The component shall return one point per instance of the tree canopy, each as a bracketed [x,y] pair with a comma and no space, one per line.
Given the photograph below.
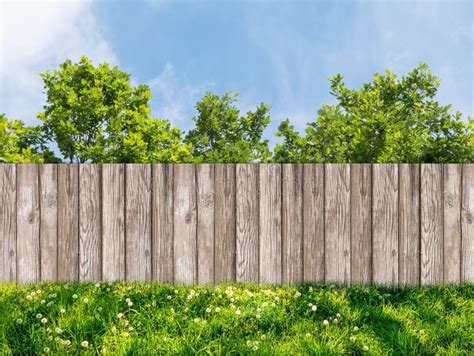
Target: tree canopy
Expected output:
[221,135]
[387,120]
[93,114]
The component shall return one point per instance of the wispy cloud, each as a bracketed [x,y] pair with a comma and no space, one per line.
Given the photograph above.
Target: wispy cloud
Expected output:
[37,36]
[174,96]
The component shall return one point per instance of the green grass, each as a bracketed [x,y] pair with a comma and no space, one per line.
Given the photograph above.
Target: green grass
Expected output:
[58,318]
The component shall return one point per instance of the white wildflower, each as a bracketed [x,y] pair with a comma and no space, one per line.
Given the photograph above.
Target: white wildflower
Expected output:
[39,316]
[208,310]
[237,312]
[356,328]
[85,344]
[74,296]
[129,304]
[19,321]
[365,348]
[63,311]
[119,315]
[46,350]
[44,321]
[217,309]
[325,322]
[314,308]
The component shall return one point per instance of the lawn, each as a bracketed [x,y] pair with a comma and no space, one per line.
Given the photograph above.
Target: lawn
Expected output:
[119,318]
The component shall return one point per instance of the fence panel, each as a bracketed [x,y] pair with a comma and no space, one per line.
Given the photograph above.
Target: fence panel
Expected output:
[388,224]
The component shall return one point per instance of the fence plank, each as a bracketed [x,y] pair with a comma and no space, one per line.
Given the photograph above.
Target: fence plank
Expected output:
[138,222]
[431,224]
[409,224]
[162,220]
[28,224]
[270,223]
[225,222]
[184,224]
[361,223]
[292,223]
[247,223]
[452,223]
[68,222]
[467,217]
[385,223]
[313,218]
[337,224]
[7,223]
[205,223]
[48,181]
[113,222]
[90,224]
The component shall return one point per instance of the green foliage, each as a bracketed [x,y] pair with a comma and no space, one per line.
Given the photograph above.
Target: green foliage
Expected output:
[93,114]
[22,144]
[387,120]
[134,318]
[221,135]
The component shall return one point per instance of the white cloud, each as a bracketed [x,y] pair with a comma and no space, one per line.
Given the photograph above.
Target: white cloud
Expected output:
[174,97]
[38,36]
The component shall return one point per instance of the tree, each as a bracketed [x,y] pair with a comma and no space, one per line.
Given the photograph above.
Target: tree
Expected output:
[22,144]
[94,114]
[387,120]
[221,135]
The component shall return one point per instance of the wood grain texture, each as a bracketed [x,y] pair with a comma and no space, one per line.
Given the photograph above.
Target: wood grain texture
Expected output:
[162,220]
[452,223]
[247,223]
[90,223]
[7,222]
[113,222]
[270,269]
[185,259]
[361,224]
[337,223]
[48,186]
[138,222]
[28,224]
[431,224]
[292,223]
[224,222]
[409,224]
[313,218]
[205,223]
[467,223]
[68,222]
[385,224]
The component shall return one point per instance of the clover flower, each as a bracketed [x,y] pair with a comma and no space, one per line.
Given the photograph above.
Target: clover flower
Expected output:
[85,344]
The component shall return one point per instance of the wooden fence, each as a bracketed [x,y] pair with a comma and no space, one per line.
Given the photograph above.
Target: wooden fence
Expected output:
[211,223]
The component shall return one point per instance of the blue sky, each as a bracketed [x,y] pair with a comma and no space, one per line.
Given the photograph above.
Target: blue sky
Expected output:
[280,52]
